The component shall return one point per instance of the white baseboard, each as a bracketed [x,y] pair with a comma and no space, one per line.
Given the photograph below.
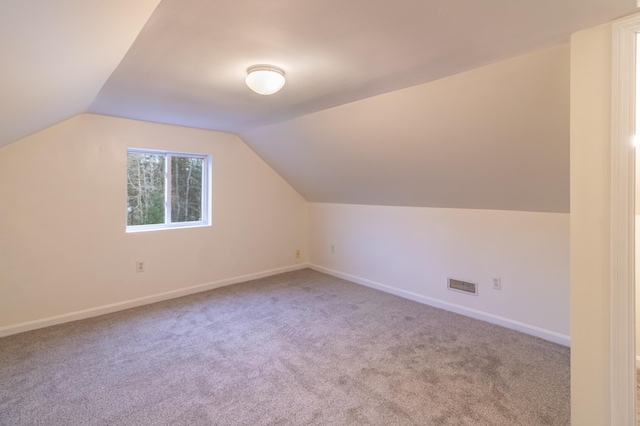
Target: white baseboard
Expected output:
[127,304]
[551,336]
[114,307]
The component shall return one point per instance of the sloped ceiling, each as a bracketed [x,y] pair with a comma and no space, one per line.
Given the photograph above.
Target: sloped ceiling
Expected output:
[496,137]
[335,131]
[57,55]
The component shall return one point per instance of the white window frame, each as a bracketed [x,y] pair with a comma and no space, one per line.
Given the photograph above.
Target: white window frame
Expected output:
[206,193]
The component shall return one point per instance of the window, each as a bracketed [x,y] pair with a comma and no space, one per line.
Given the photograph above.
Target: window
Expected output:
[167,189]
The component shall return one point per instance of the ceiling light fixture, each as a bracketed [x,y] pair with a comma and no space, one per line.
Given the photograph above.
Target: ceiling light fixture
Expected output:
[265,79]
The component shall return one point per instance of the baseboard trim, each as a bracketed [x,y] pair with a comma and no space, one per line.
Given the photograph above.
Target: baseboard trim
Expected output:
[551,336]
[146,300]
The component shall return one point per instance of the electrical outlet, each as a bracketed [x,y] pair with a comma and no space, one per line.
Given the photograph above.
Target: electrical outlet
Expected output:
[497,284]
[298,254]
[139,266]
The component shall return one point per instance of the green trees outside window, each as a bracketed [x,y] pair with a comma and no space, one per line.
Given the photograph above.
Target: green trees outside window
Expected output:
[165,188]
[145,189]
[186,189]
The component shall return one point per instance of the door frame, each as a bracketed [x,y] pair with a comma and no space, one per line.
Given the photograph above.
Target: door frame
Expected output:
[623,357]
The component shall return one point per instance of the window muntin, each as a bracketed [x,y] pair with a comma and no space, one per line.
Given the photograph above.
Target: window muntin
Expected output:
[166,189]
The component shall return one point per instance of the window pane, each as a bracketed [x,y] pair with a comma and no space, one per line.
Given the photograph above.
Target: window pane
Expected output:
[145,188]
[186,189]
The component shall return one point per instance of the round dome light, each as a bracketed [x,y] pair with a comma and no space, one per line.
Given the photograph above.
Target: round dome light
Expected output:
[265,79]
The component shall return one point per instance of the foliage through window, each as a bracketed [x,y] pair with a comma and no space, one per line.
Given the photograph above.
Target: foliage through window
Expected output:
[166,189]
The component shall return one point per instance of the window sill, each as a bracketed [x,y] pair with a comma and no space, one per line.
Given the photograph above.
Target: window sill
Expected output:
[147,228]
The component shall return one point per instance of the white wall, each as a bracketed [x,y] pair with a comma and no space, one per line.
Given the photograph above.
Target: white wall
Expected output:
[63,246]
[590,236]
[413,250]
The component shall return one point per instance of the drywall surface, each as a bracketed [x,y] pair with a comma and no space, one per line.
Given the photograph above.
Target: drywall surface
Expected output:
[63,245]
[415,250]
[57,56]
[495,138]
[591,54]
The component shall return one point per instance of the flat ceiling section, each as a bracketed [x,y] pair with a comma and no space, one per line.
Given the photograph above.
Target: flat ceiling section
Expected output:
[188,65]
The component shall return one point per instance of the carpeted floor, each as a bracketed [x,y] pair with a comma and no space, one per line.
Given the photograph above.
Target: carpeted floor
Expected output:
[301,348]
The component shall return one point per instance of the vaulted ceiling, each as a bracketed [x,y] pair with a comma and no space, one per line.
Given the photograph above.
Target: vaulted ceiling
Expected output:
[57,55]
[184,61]
[496,137]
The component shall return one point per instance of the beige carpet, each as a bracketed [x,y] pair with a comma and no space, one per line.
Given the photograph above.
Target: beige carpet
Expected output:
[301,348]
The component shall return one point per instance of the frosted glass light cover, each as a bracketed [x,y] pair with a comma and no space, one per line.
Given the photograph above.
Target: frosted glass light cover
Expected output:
[265,79]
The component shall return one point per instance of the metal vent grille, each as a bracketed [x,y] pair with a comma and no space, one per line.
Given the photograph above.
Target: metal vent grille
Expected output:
[462,286]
